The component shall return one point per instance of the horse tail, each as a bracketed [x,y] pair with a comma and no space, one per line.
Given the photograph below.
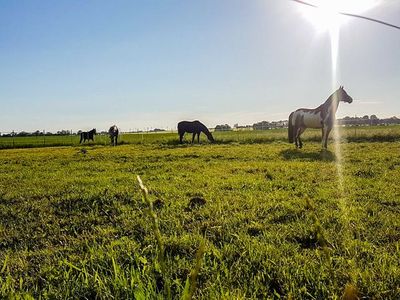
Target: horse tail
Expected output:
[181,128]
[290,128]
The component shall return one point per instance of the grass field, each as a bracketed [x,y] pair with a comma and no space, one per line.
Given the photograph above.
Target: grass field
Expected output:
[276,222]
[351,134]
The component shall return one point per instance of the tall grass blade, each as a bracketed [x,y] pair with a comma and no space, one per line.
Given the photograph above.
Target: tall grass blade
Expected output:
[157,233]
[191,281]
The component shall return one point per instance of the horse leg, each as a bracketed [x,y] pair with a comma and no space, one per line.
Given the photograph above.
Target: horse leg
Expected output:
[297,137]
[80,142]
[198,138]
[300,132]
[193,136]
[325,138]
[116,140]
[181,137]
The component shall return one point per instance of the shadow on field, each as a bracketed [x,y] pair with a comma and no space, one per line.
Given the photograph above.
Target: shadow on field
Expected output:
[219,142]
[323,155]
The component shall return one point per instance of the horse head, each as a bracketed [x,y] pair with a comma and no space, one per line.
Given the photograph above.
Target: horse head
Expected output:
[343,96]
[113,129]
[210,137]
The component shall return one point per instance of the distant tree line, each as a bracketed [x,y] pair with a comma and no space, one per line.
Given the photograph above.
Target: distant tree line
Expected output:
[372,120]
[366,120]
[224,127]
[37,133]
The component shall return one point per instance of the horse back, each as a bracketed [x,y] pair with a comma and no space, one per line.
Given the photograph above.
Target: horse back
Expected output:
[186,126]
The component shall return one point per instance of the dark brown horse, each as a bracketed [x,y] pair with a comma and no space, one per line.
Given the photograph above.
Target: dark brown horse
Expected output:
[113,133]
[87,135]
[323,116]
[195,127]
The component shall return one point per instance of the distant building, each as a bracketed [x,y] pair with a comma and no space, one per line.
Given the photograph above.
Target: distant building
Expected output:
[243,127]
[264,125]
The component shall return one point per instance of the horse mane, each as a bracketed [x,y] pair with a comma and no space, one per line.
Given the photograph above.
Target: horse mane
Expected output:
[330,100]
[203,127]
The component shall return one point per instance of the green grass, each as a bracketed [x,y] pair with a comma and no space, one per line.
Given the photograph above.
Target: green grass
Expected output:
[275,222]
[351,134]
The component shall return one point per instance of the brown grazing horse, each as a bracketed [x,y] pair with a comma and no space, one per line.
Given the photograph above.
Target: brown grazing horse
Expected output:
[195,127]
[321,117]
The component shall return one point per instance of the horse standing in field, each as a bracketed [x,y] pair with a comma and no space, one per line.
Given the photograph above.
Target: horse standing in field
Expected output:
[195,127]
[113,133]
[87,135]
[321,117]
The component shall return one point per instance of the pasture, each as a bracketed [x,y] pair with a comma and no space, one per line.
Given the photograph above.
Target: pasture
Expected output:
[351,134]
[276,222]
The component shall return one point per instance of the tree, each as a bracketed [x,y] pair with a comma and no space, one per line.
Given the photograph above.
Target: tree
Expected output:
[224,127]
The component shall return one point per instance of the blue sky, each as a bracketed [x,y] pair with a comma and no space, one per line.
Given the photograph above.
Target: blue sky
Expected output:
[145,64]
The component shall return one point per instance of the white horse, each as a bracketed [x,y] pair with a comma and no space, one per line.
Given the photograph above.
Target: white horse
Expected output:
[321,117]
[113,133]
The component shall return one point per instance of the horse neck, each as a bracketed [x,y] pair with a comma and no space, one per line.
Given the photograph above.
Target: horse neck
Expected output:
[332,102]
[205,130]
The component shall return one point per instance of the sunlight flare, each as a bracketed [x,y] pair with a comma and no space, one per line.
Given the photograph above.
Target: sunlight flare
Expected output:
[326,14]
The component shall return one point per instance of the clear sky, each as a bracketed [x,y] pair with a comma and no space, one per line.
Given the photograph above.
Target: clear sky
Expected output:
[82,64]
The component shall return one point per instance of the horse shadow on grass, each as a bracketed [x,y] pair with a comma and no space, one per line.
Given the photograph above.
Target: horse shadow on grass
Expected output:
[296,154]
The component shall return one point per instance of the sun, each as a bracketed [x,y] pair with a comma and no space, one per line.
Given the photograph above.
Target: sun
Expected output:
[326,17]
